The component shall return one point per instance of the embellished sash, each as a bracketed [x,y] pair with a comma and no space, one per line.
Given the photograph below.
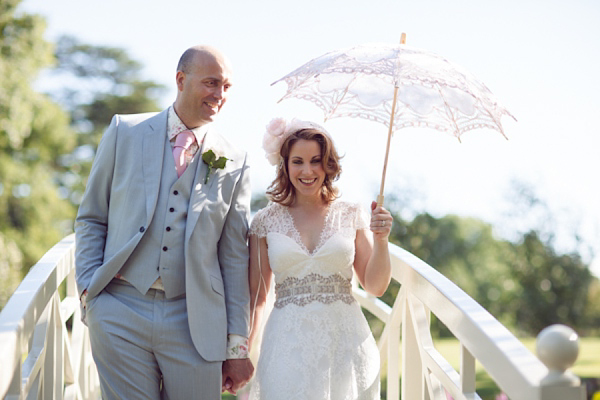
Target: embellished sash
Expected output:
[313,287]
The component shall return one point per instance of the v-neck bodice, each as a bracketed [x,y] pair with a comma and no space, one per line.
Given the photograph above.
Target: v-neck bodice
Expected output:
[297,236]
[289,256]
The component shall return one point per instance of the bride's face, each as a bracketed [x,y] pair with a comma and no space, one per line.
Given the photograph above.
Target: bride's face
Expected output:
[306,168]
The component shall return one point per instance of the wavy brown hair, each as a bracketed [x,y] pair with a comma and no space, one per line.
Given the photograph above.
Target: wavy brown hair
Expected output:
[281,189]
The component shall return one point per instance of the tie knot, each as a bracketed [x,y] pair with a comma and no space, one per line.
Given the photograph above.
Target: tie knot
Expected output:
[185,139]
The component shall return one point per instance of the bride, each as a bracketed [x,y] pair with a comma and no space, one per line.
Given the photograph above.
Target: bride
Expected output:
[316,342]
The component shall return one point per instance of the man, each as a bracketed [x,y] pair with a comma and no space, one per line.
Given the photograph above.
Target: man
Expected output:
[161,257]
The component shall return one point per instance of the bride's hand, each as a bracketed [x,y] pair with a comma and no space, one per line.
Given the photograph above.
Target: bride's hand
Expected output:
[381,222]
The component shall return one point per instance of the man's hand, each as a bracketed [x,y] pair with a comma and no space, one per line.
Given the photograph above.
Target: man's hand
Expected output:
[236,373]
[83,300]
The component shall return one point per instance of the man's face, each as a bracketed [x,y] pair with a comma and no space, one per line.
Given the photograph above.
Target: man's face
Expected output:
[203,90]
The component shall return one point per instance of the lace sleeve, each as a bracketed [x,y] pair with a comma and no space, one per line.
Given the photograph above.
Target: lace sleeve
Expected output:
[362,219]
[257,226]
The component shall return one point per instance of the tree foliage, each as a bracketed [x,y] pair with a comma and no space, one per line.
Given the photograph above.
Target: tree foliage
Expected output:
[34,133]
[97,83]
[525,283]
[553,287]
[47,141]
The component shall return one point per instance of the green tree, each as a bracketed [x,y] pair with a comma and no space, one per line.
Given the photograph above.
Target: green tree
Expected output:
[592,311]
[464,250]
[258,201]
[98,82]
[525,283]
[34,133]
[554,287]
[11,259]
[45,151]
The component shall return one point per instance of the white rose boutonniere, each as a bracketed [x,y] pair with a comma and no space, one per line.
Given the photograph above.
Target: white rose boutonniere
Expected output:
[210,159]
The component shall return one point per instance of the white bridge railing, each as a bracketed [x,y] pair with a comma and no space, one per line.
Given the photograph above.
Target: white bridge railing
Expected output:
[44,346]
[45,352]
[427,375]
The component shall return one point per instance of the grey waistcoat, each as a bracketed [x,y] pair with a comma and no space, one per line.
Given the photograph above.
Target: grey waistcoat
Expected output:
[161,249]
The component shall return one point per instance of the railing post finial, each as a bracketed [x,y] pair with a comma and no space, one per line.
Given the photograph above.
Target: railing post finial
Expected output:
[557,346]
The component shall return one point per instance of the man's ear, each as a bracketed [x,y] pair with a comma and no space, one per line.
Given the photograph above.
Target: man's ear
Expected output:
[179,79]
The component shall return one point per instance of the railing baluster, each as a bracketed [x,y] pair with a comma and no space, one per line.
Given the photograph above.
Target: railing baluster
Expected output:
[467,370]
[37,353]
[393,346]
[33,323]
[481,337]
[412,365]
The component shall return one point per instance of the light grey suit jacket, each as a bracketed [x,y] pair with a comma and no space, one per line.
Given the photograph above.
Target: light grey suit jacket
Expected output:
[120,200]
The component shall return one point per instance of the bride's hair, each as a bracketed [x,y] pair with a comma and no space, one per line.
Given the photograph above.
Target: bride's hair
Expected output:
[281,189]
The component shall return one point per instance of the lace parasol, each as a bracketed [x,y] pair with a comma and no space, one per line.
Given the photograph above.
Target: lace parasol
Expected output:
[398,86]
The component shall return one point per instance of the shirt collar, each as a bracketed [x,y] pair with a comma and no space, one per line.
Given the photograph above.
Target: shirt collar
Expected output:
[176,126]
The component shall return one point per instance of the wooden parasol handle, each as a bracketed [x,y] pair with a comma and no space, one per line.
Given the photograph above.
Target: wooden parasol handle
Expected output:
[390,132]
[387,148]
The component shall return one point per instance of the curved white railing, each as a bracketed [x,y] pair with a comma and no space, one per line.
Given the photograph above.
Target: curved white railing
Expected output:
[44,346]
[42,357]
[427,375]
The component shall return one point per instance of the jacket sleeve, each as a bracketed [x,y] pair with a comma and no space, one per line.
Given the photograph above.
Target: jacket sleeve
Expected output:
[233,256]
[91,223]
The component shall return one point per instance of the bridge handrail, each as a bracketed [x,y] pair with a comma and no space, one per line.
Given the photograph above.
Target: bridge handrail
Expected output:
[426,374]
[40,355]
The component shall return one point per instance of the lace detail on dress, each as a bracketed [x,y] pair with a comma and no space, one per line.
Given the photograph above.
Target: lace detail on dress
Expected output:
[313,287]
[272,218]
[322,348]
[298,238]
[317,352]
[345,218]
[363,218]
[342,217]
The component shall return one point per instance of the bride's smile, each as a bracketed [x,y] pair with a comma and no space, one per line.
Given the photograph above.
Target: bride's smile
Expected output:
[306,168]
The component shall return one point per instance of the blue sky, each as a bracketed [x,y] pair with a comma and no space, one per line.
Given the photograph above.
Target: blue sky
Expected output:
[540,58]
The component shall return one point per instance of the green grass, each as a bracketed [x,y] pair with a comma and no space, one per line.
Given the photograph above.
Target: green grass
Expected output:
[586,366]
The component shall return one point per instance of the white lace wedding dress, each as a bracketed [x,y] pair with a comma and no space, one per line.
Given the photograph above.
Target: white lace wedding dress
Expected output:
[316,343]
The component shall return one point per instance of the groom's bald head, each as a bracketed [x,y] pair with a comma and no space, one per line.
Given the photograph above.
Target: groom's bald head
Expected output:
[203,80]
[201,54]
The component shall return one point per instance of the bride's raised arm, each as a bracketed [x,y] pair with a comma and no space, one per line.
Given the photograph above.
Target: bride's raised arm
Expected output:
[259,276]
[372,259]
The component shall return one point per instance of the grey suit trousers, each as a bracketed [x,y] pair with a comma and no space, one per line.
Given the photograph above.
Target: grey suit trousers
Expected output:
[143,349]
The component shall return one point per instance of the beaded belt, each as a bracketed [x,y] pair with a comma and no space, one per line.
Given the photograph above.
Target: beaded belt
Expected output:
[313,287]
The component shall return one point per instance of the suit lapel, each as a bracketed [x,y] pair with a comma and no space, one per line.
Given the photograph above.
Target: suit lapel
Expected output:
[154,139]
[200,189]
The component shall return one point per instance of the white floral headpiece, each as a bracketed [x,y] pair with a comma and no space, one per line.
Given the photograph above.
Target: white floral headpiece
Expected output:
[278,130]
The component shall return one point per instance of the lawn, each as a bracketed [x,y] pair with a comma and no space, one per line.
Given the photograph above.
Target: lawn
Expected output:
[587,365]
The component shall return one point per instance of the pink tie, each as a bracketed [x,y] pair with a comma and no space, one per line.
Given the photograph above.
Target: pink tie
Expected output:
[182,142]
